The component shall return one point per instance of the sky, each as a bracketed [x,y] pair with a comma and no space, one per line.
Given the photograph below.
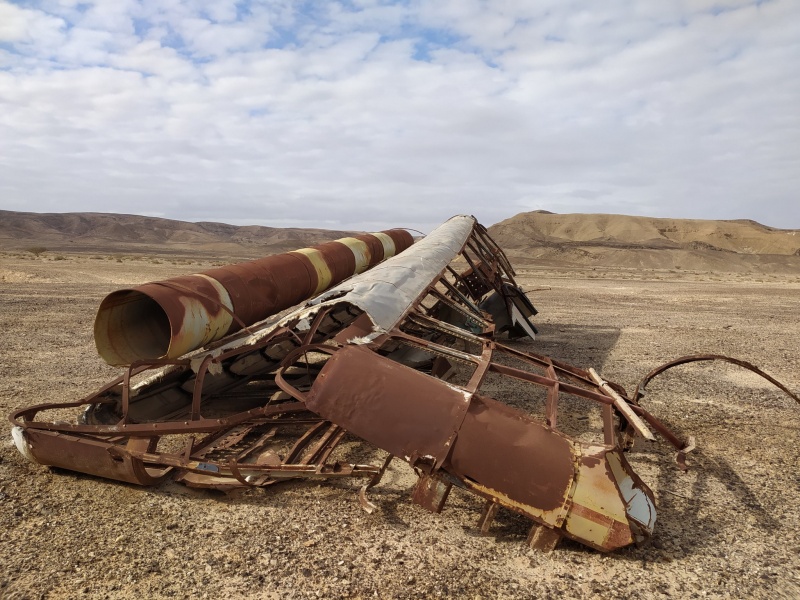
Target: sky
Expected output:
[368,114]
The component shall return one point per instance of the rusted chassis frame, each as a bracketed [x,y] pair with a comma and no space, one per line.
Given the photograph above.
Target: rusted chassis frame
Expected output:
[274,402]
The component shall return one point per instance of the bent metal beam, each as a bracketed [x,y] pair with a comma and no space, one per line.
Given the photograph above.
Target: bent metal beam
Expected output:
[167,319]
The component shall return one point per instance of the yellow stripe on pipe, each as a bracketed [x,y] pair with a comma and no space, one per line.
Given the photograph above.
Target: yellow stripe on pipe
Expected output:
[324,275]
[360,251]
[224,297]
[389,249]
[200,327]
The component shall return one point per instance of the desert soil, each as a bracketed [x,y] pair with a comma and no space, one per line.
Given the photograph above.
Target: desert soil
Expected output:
[728,528]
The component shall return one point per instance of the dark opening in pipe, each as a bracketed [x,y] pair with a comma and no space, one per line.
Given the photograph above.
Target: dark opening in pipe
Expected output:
[131,326]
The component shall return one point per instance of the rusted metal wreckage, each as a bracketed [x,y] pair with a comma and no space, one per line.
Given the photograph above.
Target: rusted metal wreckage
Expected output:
[403,356]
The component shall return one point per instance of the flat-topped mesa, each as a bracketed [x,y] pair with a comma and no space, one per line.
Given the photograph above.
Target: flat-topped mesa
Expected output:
[166,319]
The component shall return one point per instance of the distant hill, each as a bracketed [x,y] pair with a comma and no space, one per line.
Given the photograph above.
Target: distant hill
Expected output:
[102,232]
[645,242]
[534,238]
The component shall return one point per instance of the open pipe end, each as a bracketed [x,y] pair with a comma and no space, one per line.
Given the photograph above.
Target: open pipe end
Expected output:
[131,326]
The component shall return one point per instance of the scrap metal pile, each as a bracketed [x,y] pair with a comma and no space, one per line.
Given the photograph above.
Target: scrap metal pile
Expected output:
[223,391]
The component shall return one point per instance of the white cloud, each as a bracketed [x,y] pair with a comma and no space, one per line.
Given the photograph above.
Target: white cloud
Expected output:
[22,25]
[381,114]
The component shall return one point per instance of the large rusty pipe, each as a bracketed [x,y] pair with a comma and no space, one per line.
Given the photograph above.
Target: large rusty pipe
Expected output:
[166,319]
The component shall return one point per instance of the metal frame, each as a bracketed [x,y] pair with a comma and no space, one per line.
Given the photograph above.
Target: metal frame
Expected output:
[285,396]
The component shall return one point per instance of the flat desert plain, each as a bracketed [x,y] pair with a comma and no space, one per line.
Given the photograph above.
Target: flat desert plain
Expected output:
[728,528]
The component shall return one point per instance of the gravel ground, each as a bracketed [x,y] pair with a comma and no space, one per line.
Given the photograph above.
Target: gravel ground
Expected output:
[728,528]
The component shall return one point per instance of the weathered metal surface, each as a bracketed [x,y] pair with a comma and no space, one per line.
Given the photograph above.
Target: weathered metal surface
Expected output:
[405,358]
[610,508]
[512,457]
[415,416]
[167,319]
[85,455]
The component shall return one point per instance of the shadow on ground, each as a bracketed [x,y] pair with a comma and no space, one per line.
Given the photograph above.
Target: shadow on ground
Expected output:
[581,345]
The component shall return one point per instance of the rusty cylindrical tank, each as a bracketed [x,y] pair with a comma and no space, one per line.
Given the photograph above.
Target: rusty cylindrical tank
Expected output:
[166,319]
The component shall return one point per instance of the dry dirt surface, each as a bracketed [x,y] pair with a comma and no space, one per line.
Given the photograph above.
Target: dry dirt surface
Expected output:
[728,528]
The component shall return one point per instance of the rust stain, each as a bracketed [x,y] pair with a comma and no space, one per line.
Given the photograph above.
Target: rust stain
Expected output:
[501,448]
[169,318]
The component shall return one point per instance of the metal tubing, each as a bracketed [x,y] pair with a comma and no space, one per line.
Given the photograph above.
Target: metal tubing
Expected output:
[167,319]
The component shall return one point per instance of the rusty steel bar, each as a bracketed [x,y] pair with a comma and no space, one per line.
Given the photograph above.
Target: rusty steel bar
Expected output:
[639,392]
[167,319]
[623,406]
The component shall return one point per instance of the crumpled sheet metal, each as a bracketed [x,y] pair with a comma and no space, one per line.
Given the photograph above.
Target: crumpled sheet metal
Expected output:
[431,424]
[585,492]
[389,290]
[401,358]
